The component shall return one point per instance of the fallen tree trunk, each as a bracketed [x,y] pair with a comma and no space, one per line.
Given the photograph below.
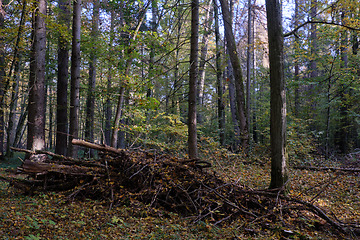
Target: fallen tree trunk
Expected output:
[103,148]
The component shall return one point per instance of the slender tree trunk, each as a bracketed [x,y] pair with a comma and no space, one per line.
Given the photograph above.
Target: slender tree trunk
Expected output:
[255,134]
[343,133]
[328,109]
[313,61]
[75,79]
[15,64]
[36,113]
[21,126]
[50,105]
[2,80]
[297,66]
[239,83]
[114,136]
[279,170]
[248,65]
[172,95]
[62,83]
[231,86]
[108,111]
[154,11]
[313,40]
[90,101]
[192,137]
[219,70]
[12,114]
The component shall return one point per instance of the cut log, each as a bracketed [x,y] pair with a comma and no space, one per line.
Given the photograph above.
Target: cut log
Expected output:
[38,168]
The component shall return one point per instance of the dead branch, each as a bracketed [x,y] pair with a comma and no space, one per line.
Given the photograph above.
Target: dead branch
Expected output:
[103,148]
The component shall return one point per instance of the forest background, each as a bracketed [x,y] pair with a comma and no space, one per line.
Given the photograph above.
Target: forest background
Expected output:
[194,79]
[134,67]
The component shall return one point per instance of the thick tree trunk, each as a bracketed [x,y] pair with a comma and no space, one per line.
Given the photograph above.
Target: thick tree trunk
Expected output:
[219,82]
[279,170]
[239,83]
[90,101]
[36,113]
[75,78]
[62,83]
[192,137]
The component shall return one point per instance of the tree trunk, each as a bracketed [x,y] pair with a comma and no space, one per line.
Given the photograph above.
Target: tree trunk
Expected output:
[297,65]
[154,12]
[279,171]
[2,79]
[313,39]
[343,133]
[75,78]
[313,60]
[90,101]
[220,87]
[248,65]
[15,64]
[194,45]
[12,113]
[239,83]
[108,111]
[114,136]
[36,113]
[254,124]
[62,83]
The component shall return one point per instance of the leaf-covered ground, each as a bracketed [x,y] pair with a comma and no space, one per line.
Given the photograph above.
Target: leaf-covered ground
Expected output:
[51,216]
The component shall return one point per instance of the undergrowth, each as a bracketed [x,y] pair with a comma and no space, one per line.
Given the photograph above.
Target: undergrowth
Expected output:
[51,216]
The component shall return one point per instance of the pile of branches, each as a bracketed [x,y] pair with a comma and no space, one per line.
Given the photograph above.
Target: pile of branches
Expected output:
[186,187]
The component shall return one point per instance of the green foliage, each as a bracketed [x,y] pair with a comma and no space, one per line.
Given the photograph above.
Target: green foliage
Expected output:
[301,143]
[166,132]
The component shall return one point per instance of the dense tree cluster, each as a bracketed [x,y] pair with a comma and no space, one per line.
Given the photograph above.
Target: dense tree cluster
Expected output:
[159,73]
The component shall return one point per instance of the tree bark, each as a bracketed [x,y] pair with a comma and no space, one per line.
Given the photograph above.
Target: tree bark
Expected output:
[239,83]
[36,113]
[279,172]
[75,78]
[62,83]
[194,45]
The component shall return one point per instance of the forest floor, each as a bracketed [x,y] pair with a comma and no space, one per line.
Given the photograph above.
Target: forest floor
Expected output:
[50,216]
